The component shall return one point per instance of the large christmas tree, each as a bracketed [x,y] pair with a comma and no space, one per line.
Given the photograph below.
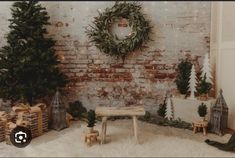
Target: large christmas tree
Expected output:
[28,63]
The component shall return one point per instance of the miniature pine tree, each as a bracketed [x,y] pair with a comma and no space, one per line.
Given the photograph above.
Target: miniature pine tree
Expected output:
[28,63]
[204,87]
[202,110]
[183,74]
[206,69]
[169,108]
[91,118]
[162,109]
[192,83]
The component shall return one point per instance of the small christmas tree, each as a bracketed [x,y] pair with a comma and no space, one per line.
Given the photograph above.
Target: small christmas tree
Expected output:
[183,74]
[169,108]
[206,69]
[28,63]
[192,83]
[162,109]
[91,117]
[202,110]
[204,87]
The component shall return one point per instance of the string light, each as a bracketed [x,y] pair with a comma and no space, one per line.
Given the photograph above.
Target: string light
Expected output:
[61,57]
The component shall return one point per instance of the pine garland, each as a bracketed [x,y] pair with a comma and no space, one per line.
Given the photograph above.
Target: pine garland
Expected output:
[177,123]
[111,44]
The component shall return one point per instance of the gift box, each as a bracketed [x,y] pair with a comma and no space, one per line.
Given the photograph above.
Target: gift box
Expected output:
[2,131]
[4,118]
[35,118]
[9,127]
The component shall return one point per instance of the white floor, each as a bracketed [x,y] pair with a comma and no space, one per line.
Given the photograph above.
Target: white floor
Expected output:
[155,141]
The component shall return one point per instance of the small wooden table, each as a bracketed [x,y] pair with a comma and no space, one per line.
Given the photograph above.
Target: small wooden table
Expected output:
[106,112]
[91,137]
[200,124]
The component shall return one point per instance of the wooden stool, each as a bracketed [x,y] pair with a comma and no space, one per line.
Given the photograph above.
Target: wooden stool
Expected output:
[106,112]
[91,138]
[197,125]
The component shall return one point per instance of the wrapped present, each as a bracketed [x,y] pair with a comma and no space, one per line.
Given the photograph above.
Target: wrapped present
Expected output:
[9,127]
[2,131]
[36,118]
[4,118]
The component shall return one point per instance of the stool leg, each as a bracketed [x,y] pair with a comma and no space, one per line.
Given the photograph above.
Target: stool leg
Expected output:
[103,130]
[198,129]
[204,131]
[135,128]
[88,142]
[194,129]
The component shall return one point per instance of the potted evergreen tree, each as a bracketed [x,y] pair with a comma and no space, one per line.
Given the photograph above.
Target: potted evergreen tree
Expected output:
[204,88]
[91,118]
[202,111]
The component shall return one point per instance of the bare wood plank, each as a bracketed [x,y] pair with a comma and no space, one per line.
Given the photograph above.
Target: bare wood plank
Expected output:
[120,111]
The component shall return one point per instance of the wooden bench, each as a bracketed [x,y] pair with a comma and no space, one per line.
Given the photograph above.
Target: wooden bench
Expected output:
[106,112]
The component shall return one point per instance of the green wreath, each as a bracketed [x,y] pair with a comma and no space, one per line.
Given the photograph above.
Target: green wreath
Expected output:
[110,44]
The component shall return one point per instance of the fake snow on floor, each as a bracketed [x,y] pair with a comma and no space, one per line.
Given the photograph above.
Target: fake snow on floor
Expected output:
[155,141]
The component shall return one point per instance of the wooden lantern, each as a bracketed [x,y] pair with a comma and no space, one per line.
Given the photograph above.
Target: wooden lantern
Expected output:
[219,115]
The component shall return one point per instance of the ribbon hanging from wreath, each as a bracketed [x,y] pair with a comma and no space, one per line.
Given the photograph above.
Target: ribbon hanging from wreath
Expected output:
[110,44]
